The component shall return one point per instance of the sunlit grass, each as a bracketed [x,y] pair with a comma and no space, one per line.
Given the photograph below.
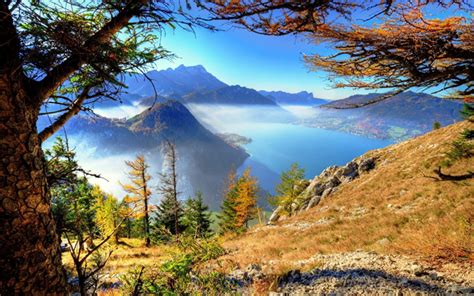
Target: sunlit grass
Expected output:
[405,212]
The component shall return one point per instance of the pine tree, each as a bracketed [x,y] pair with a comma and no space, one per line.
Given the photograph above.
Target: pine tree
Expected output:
[228,214]
[467,111]
[139,192]
[246,202]
[196,217]
[287,190]
[169,211]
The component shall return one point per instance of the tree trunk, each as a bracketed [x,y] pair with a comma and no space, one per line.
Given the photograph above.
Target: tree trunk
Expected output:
[30,259]
[147,222]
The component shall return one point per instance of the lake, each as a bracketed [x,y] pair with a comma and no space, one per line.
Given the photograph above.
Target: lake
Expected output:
[275,146]
[277,142]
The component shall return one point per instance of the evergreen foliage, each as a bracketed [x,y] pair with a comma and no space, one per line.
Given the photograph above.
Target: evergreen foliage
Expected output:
[170,210]
[196,217]
[467,111]
[288,189]
[240,203]
[228,213]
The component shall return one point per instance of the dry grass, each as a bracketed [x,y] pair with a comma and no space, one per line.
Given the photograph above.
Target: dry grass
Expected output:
[129,254]
[395,208]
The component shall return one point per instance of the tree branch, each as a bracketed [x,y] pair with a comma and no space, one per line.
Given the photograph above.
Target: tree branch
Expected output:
[73,110]
[58,75]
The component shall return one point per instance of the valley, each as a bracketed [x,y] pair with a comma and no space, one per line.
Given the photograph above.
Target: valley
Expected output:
[245,147]
[302,129]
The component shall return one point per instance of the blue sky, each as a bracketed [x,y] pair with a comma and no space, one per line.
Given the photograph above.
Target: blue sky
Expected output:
[239,57]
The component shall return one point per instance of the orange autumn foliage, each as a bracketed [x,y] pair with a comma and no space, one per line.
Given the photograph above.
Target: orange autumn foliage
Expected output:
[246,203]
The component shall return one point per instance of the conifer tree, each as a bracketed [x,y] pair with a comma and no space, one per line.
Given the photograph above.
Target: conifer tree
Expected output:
[246,203]
[287,190]
[196,217]
[467,111]
[139,192]
[240,203]
[169,211]
[228,212]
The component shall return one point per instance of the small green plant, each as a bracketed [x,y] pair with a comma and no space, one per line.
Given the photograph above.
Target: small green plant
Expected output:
[436,125]
[460,148]
[186,273]
[468,134]
[467,111]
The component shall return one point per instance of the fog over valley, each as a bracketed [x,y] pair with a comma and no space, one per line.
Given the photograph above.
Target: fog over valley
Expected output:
[218,127]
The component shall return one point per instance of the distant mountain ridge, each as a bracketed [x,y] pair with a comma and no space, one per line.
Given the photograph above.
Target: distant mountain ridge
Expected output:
[204,158]
[300,98]
[229,95]
[194,84]
[399,117]
[173,82]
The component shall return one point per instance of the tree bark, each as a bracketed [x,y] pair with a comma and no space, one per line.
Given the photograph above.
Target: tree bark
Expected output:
[146,218]
[30,258]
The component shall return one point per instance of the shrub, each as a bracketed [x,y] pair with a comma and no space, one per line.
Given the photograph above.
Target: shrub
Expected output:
[185,273]
[460,148]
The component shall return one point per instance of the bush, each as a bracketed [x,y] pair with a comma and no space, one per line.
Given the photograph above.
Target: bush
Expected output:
[460,148]
[467,134]
[185,273]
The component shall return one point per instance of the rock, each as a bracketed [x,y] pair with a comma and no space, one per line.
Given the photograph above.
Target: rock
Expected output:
[254,271]
[313,202]
[327,192]
[275,215]
[384,241]
[366,165]
[328,172]
[348,172]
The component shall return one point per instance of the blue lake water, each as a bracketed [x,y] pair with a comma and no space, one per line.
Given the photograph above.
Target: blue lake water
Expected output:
[275,146]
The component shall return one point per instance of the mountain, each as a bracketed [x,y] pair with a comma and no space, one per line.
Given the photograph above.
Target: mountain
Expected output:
[301,98]
[391,226]
[204,158]
[402,116]
[229,95]
[173,82]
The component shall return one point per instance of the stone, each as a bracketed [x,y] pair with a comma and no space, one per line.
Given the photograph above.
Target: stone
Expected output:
[366,165]
[327,192]
[275,215]
[348,172]
[313,202]
[383,242]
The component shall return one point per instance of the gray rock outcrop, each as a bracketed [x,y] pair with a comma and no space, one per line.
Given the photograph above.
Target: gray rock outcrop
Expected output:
[325,184]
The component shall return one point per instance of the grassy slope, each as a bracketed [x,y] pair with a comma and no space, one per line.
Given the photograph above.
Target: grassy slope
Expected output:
[393,209]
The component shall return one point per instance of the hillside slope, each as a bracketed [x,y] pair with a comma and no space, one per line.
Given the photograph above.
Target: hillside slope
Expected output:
[399,224]
[400,117]
[204,158]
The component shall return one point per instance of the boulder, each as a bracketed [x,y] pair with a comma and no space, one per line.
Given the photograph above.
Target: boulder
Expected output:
[348,172]
[327,192]
[275,215]
[313,202]
[366,165]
